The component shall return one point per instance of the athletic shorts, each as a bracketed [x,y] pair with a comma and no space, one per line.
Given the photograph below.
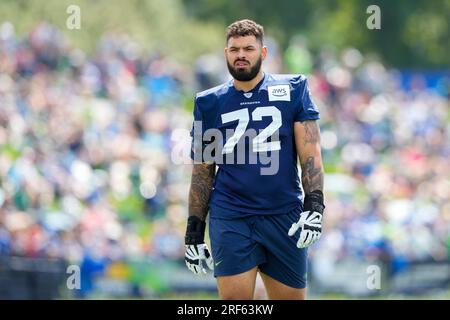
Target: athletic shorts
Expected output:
[239,245]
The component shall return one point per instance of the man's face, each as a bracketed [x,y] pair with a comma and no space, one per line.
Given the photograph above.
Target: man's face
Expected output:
[244,57]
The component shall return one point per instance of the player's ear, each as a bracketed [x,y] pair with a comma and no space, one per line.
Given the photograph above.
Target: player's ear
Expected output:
[263,52]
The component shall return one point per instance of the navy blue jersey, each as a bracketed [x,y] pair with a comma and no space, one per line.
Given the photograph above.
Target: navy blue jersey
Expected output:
[250,136]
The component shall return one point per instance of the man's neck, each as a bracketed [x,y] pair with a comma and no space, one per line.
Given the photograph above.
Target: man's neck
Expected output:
[248,85]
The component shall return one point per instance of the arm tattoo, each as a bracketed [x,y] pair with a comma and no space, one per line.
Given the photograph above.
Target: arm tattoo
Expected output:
[312,134]
[311,164]
[312,176]
[201,188]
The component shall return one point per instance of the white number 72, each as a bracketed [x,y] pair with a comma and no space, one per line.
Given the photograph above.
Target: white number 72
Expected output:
[260,143]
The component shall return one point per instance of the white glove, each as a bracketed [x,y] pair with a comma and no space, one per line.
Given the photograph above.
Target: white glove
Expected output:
[310,223]
[194,257]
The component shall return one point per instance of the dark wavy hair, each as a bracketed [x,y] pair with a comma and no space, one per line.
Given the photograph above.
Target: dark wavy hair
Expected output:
[244,28]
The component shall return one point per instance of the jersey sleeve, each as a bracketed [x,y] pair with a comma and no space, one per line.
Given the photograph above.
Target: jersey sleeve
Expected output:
[197,133]
[199,127]
[306,108]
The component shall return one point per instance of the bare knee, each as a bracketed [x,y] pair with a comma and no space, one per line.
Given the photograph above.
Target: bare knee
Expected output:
[237,287]
[300,294]
[235,296]
[236,291]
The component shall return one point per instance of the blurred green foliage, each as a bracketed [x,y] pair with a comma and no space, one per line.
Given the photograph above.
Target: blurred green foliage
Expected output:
[413,33]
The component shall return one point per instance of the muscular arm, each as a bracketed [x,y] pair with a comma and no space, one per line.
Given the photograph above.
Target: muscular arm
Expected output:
[307,142]
[201,186]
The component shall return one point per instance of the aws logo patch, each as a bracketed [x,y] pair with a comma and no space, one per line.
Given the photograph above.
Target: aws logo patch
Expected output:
[280,92]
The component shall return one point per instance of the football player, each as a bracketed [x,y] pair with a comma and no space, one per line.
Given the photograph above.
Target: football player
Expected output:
[262,215]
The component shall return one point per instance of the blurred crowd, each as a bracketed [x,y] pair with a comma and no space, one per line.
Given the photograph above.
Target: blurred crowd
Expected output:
[85,170]
[86,167]
[385,138]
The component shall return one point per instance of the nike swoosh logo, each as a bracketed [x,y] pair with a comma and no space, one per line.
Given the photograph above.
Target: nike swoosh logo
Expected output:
[217,263]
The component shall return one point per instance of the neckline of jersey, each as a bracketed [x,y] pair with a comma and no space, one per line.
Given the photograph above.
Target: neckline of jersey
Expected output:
[255,88]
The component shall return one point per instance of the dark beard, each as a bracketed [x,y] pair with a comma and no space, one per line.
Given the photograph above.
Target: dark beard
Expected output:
[242,75]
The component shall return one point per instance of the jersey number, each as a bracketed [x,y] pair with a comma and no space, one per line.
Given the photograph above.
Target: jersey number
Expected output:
[260,143]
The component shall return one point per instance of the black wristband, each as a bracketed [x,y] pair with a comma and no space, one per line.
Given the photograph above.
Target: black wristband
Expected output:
[195,231]
[314,202]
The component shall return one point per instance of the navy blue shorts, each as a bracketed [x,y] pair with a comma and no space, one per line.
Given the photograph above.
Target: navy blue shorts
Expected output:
[239,245]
